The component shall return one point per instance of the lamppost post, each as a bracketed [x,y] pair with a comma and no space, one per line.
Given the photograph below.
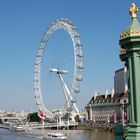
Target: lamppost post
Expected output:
[130,54]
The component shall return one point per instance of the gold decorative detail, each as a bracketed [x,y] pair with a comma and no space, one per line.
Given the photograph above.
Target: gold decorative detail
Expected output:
[133,11]
[129,33]
[122,51]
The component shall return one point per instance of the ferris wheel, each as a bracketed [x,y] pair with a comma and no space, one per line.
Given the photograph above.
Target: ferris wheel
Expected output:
[69,93]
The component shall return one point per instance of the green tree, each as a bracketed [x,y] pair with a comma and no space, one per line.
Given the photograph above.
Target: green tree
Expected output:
[77,118]
[33,117]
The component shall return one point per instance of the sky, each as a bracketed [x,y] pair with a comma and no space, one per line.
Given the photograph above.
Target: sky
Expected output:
[22,26]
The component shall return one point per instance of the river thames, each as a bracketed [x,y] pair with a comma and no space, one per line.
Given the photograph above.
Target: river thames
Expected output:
[35,134]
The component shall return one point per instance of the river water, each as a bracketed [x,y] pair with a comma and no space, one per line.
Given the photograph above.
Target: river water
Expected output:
[6,134]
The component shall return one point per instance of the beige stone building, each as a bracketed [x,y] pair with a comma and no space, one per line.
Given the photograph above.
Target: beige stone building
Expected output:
[110,107]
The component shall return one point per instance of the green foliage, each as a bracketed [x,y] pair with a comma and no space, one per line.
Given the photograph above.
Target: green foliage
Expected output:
[9,115]
[33,117]
[77,118]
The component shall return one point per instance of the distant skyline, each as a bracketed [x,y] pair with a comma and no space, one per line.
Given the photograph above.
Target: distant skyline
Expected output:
[22,26]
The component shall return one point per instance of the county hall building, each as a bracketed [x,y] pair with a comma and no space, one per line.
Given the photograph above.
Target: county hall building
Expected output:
[110,107]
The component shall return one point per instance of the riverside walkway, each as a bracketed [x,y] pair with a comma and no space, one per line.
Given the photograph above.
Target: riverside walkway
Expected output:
[36,125]
[51,125]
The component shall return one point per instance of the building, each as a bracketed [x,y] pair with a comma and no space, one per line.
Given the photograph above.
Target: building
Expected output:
[110,107]
[120,80]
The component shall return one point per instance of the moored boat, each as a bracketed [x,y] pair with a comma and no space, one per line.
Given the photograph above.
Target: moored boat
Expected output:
[17,128]
[55,136]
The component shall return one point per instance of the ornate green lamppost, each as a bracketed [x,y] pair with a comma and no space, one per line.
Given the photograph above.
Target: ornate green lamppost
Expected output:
[130,53]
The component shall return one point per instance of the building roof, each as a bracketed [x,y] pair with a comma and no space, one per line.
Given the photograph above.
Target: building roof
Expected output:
[107,99]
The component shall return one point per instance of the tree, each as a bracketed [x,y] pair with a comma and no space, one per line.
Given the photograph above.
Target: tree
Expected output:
[77,118]
[33,117]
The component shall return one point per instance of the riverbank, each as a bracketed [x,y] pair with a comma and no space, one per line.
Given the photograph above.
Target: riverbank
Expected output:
[100,128]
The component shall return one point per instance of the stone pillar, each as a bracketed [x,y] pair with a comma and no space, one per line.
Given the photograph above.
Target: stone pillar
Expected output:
[90,113]
[123,114]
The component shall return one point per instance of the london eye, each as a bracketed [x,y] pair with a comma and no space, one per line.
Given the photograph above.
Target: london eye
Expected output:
[69,86]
